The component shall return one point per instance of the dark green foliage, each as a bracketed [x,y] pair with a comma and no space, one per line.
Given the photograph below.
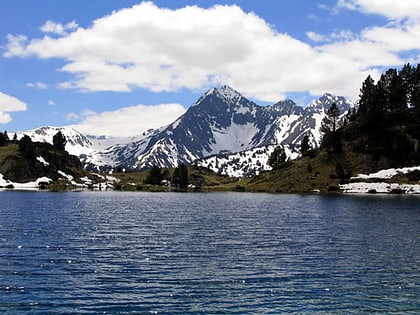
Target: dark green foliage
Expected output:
[330,122]
[394,92]
[6,136]
[155,176]
[2,140]
[277,159]
[332,136]
[180,177]
[59,141]
[387,117]
[305,146]
[18,161]
[27,148]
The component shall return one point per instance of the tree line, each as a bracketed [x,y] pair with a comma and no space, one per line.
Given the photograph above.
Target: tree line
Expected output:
[27,148]
[179,178]
[395,91]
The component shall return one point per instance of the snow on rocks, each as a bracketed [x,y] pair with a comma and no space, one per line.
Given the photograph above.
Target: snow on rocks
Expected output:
[380,188]
[34,185]
[358,186]
[388,173]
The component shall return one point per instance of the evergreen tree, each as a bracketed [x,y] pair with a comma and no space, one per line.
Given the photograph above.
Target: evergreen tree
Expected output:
[6,136]
[155,176]
[331,139]
[27,148]
[367,97]
[277,159]
[390,92]
[305,146]
[408,81]
[180,177]
[330,122]
[59,141]
[2,140]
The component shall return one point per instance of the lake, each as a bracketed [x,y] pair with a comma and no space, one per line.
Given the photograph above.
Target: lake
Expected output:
[208,253]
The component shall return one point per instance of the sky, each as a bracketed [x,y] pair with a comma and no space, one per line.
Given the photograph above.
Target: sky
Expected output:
[118,68]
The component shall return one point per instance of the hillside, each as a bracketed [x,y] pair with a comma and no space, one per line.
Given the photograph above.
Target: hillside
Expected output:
[33,165]
[389,153]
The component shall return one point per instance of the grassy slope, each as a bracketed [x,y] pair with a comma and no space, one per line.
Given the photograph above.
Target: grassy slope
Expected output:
[202,179]
[395,143]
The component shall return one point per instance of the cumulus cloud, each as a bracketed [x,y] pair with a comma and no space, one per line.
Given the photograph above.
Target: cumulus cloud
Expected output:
[9,104]
[160,49]
[127,121]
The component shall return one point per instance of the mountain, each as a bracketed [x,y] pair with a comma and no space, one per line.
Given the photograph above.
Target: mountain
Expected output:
[220,123]
[293,123]
[77,143]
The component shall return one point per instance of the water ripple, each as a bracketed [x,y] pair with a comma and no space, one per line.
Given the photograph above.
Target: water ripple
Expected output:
[223,253]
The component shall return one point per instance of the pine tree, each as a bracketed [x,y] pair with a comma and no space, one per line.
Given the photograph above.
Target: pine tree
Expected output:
[27,148]
[277,159]
[6,136]
[367,97]
[408,81]
[330,122]
[155,176]
[305,146]
[59,141]
[2,140]
[180,177]
[331,139]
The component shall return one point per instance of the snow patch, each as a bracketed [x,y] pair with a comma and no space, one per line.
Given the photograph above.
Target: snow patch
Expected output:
[34,185]
[380,188]
[42,160]
[388,173]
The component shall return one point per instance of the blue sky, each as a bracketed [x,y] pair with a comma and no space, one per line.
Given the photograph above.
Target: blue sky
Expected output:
[118,68]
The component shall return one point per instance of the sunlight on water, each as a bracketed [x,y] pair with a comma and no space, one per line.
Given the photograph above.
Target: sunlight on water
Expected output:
[218,253]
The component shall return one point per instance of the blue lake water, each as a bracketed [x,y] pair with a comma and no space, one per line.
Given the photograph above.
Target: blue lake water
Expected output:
[208,253]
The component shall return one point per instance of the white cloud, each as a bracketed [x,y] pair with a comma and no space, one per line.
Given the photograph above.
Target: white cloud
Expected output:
[37,85]
[160,49]
[71,117]
[392,9]
[9,104]
[57,28]
[51,103]
[128,121]
[343,35]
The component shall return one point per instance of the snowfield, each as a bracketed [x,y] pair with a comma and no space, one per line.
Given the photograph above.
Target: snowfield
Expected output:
[381,187]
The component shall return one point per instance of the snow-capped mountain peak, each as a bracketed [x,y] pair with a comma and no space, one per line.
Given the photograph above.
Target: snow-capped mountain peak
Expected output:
[77,143]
